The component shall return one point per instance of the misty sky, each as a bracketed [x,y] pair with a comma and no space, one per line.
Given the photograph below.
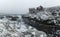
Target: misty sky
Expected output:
[22,6]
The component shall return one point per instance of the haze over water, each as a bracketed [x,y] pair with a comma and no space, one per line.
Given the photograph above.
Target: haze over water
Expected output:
[22,6]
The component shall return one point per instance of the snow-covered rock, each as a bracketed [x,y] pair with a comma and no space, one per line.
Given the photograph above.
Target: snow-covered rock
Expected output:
[17,28]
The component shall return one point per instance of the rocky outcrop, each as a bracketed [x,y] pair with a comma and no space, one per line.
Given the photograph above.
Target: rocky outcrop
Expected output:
[44,19]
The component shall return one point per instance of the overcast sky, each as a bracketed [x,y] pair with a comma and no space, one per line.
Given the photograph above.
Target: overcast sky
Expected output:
[21,6]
